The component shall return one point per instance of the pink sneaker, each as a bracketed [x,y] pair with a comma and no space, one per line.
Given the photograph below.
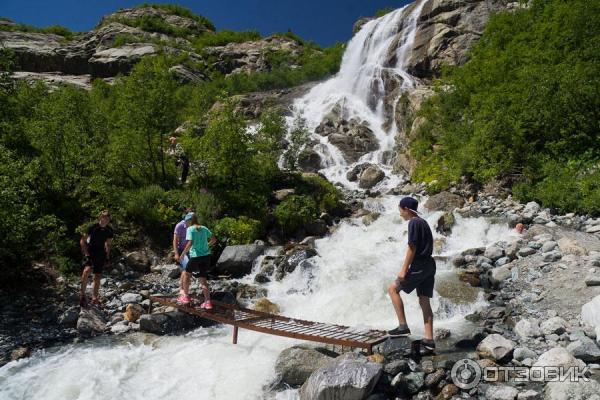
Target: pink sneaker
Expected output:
[183,299]
[207,305]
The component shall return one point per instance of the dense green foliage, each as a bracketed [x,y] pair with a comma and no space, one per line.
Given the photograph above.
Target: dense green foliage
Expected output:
[182,12]
[295,211]
[525,108]
[66,154]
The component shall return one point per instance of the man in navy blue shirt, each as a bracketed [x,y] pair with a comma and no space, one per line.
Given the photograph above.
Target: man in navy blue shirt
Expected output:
[417,272]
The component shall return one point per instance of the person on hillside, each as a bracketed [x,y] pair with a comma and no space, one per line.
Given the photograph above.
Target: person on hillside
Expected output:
[176,150]
[417,272]
[199,241]
[179,242]
[95,245]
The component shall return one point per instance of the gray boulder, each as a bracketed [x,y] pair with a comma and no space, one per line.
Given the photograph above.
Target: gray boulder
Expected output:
[496,347]
[237,260]
[295,364]
[527,328]
[556,357]
[348,377]
[493,253]
[91,321]
[585,349]
[444,201]
[554,325]
[69,317]
[370,177]
[131,298]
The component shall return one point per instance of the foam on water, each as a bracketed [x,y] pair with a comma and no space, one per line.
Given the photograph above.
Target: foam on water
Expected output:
[347,286]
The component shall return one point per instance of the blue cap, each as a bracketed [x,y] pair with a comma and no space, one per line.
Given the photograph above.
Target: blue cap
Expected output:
[410,203]
[188,216]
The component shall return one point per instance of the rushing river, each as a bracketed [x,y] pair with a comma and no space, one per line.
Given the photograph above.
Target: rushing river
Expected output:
[347,285]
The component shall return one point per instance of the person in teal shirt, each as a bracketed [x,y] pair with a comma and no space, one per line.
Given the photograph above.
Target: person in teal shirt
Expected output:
[199,241]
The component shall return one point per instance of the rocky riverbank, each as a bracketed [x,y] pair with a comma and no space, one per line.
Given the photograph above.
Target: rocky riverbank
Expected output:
[541,287]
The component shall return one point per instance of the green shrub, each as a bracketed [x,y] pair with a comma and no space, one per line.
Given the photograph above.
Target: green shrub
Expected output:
[54,29]
[294,212]
[224,37]
[233,231]
[182,12]
[326,196]
[149,206]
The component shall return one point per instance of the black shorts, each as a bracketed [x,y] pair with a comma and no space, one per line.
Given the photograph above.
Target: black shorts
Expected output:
[420,276]
[96,261]
[199,266]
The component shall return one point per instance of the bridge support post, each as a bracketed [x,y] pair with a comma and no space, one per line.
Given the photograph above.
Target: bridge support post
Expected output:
[235,334]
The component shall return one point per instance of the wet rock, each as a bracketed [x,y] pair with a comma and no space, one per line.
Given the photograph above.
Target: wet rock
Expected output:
[444,201]
[411,382]
[396,366]
[317,227]
[237,260]
[133,312]
[441,333]
[69,318]
[445,223]
[356,171]
[19,353]
[360,23]
[348,377]
[496,347]
[120,328]
[91,321]
[131,298]
[580,390]
[283,194]
[370,177]
[170,322]
[554,325]
[267,306]
[493,253]
[309,160]
[293,260]
[171,271]
[370,218]
[498,275]
[501,392]
[295,364]
[434,378]
[448,392]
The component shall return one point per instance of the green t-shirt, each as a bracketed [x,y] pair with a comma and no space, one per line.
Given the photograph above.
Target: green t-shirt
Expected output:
[199,238]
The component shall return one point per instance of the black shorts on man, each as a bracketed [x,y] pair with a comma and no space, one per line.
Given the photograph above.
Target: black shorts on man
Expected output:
[96,261]
[199,266]
[420,276]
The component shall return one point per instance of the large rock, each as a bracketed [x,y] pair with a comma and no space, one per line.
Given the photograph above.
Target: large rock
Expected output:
[444,201]
[445,33]
[554,325]
[528,328]
[133,312]
[571,246]
[295,364]
[590,314]
[556,357]
[370,177]
[348,377]
[91,321]
[253,56]
[69,318]
[580,390]
[496,347]
[171,322]
[585,349]
[138,260]
[237,260]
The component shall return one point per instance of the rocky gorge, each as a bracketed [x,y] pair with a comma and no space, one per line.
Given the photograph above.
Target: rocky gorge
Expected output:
[503,300]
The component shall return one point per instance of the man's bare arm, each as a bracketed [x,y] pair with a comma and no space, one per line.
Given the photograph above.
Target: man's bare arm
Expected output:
[410,255]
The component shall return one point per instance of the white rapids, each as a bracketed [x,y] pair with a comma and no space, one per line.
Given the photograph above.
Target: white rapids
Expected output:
[346,285]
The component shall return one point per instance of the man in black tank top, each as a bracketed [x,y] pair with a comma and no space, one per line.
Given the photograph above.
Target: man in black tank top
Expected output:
[417,272]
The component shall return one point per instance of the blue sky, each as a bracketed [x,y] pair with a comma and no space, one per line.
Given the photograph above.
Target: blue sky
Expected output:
[323,21]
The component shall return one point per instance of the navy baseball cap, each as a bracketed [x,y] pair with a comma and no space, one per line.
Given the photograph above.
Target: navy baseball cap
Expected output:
[410,203]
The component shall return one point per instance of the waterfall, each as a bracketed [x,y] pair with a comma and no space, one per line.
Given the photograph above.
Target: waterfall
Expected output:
[372,77]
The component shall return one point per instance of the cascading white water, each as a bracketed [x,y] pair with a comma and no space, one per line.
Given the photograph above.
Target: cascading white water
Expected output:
[358,88]
[347,284]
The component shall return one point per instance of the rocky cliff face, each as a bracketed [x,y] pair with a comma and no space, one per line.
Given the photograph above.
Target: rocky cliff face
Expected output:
[122,39]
